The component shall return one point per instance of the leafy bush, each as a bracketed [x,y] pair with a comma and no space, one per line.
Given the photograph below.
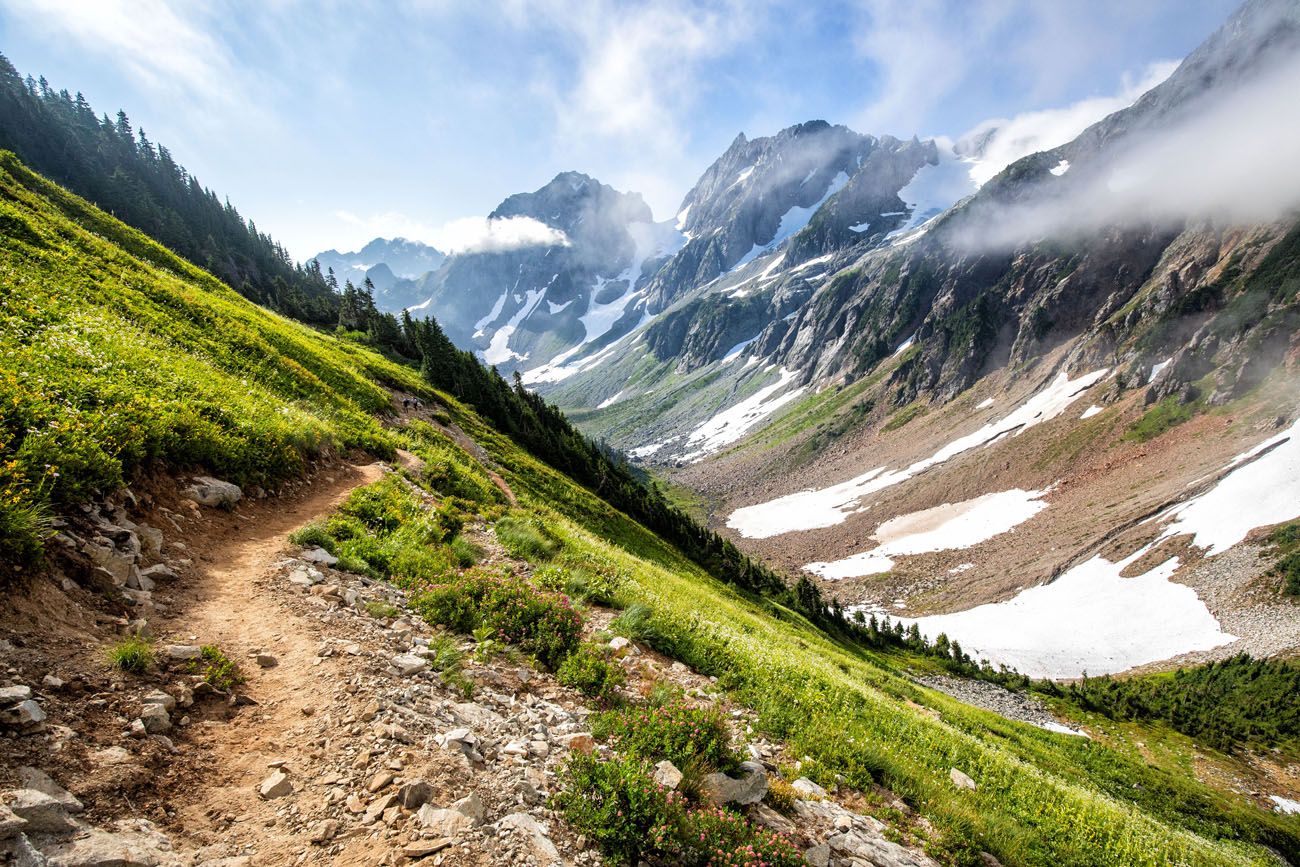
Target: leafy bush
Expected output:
[619,806]
[132,654]
[716,837]
[526,539]
[592,674]
[541,623]
[689,737]
[313,536]
[217,669]
[781,795]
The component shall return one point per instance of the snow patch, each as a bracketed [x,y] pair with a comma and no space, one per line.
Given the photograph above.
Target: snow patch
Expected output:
[859,227]
[1060,168]
[826,507]
[1285,806]
[905,345]
[984,404]
[1091,619]
[951,526]
[731,424]
[1156,368]
[608,402]
[1090,412]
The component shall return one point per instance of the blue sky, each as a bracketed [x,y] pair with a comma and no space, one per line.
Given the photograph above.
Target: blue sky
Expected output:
[331,123]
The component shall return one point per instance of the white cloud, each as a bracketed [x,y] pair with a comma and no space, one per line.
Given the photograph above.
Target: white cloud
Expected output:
[482,235]
[1001,142]
[463,235]
[151,40]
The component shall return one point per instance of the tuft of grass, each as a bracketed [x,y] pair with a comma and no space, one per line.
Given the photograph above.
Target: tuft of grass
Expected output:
[903,416]
[313,536]
[132,654]
[527,539]
[637,623]
[381,610]
[465,552]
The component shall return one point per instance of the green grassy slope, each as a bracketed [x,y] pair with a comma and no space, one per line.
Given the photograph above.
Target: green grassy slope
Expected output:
[114,353]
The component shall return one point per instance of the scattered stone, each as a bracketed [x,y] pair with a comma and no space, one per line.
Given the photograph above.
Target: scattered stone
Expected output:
[472,807]
[156,719]
[749,789]
[379,781]
[808,788]
[619,645]
[819,855]
[51,682]
[325,830]
[443,822]
[183,651]
[667,775]
[408,664]
[10,695]
[159,697]
[207,491]
[135,844]
[266,660]
[530,828]
[25,714]
[319,555]
[424,848]
[960,780]
[579,742]
[275,786]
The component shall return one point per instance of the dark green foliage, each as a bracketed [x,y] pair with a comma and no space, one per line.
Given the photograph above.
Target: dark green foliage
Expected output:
[541,623]
[590,671]
[689,737]
[619,806]
[140,183]
[1239,701]
[1164,415]
[526,539]
[1285,542]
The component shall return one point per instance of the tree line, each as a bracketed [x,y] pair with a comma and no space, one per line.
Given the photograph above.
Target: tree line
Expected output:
[118,168]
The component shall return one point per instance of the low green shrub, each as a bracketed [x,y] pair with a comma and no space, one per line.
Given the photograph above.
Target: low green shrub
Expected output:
[689,737]
[538,622]
[313,536]
[131,654]
[618,805]
[527,539]
[1164,415]
[590,672]
[381,610]
[577,582]
[1285,545]
[217,669]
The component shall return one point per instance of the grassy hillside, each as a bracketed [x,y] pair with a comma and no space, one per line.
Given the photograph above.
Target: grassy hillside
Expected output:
[115,354]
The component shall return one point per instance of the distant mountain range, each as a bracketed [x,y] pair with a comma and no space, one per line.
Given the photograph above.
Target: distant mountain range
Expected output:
[385,262]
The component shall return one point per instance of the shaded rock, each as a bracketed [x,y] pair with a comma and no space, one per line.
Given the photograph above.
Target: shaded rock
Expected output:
[42,813]
[748,789]
[266,660]
[160,698]
[32,778]
[207,491]
[325,830]
[156,719]
[23,715]
[183,651]
[807,787]
[10,823]
[14,694]
[819,855]
[415,794]
[137,844]
[472,807]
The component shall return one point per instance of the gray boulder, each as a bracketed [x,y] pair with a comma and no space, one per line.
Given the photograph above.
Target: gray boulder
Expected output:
[207,491]
[748,789]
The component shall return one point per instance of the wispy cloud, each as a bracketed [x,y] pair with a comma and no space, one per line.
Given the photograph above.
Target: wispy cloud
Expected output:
[462,235]
[157,43]
[1233,158]
[1000,142]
